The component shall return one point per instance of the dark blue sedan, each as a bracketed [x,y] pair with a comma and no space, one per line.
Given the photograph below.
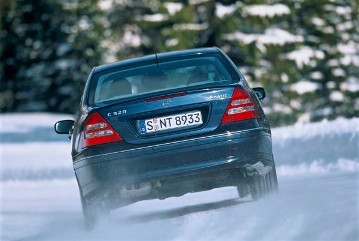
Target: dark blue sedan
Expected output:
[165,125]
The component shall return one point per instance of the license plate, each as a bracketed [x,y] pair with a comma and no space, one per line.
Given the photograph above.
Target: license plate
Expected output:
[171,122]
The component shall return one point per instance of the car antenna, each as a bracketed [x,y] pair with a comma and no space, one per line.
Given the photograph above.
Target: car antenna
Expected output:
[157,62]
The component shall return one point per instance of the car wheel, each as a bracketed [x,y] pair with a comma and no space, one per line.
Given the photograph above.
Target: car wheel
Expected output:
[272,181]
[255,184]
[93,213]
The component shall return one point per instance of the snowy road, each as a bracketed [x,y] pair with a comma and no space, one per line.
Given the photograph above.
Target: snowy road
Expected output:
[318,198]
[316,208]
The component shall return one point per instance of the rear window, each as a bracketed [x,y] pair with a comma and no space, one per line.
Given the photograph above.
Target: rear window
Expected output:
[127,82]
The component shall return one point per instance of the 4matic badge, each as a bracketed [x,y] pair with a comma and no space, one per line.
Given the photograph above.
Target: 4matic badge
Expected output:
[217,97]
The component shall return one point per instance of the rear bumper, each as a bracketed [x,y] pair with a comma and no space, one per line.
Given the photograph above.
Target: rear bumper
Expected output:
[210,157]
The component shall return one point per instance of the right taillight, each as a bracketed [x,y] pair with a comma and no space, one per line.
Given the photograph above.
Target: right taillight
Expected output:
[240,107]
[97,131]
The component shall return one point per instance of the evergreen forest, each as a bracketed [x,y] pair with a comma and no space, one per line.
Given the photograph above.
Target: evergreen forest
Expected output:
[305,53]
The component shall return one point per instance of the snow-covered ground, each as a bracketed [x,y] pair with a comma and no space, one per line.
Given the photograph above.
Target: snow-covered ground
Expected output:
[318,168]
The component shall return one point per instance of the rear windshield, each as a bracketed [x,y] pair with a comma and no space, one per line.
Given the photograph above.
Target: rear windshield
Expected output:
[128,82]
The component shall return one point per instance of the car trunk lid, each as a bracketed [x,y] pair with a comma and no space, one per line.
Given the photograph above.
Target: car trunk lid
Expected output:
[166,117]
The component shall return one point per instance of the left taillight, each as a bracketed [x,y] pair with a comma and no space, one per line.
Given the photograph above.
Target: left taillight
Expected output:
[97,131]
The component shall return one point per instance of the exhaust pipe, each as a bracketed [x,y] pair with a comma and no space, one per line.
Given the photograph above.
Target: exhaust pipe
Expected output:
[135,190]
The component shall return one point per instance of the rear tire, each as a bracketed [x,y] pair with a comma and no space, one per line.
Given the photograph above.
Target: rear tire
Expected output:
[256,185]
[93,213]
[272,180]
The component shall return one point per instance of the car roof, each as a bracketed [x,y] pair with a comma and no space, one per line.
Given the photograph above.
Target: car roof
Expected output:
[153,58]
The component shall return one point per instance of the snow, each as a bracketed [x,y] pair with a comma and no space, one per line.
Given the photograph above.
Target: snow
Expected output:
[105,4]
[84,24]
[331,85]
[172,42]
[64,64]
[14,123]
[130,38]
[316,75]
[318,171]
[284,77]
[328,29]
[343,10]
[318,21]
[352,84]
[342,27]
[190,26]
[336,96]
[196,2]
[338,128]
[318,168]
[304,86]
[348,48]
[158,17]
[282,108]
[173,7]
[222,10]
[41,167]
[267,10]
[274,36]
[303,56]
[350,51]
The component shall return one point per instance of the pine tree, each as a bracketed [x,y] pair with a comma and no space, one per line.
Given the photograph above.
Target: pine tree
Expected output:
[263,38]
[304,53]
[276,44]
[328,59]
[48,50]
[123,37]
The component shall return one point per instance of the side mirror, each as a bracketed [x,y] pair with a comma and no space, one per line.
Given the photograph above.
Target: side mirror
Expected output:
[64,126]
[260,92]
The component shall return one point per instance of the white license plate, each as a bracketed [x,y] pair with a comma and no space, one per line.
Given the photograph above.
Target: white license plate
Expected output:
[171,122]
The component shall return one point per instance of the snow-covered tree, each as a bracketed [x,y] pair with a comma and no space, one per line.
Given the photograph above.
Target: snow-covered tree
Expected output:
[304,53]
[327,60]
[47,51]
[262,37]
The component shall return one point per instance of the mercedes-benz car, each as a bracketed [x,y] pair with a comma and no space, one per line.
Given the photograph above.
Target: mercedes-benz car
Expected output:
[165,125]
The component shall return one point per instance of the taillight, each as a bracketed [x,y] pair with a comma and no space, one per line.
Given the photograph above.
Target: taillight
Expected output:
[98,131]
[240,107]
